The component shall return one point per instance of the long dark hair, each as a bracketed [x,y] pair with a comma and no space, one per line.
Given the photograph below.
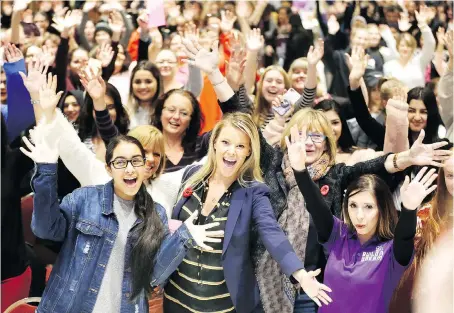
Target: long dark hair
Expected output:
[153,69]
[427,96]
[190,137]
[87,124]
[151,230]
[345,142]
[387,219]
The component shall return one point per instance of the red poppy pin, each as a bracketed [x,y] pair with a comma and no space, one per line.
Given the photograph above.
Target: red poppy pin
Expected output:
[187,192]
[324,190]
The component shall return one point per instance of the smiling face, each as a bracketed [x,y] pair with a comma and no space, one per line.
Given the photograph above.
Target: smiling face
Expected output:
[144,85]
[127,181]
[314,148]
[79,60]
[71,108]
[232,147]
[176,115]
[404,49]
[298,78]
[273,85]
[166,61]
[373,39]
[363,212]
[335,122]
[417,115]
[4,95]
[153,160]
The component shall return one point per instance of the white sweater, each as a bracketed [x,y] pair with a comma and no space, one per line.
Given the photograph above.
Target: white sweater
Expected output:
[412,74]
[88,170]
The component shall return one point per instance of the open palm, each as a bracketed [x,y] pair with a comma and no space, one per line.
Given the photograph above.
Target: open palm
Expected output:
[205,60]
[93,84]
[296,148]
[316,54]
[413,193]
[421,154]
[36,76]
[48,98]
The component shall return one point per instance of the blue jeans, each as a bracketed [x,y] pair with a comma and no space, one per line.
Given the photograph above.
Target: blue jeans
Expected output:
[304,304]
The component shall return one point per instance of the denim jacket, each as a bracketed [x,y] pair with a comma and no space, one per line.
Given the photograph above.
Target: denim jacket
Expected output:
[87,226]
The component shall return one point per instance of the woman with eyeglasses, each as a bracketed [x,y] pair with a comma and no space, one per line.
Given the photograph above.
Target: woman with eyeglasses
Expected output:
[332,179]
[116,241]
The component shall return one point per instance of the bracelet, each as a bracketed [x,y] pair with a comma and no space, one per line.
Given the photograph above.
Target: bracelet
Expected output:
[35,101]
[395,162]
[223,80]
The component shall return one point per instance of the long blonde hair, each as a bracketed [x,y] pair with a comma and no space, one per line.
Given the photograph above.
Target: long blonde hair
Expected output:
[250,170]
[315,121]
[261,106]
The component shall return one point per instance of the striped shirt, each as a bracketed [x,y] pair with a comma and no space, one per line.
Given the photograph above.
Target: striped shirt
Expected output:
[199,285]
[306,100]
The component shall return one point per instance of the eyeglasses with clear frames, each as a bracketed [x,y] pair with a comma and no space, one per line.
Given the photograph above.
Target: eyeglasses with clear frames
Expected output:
[316,137]
[121,163]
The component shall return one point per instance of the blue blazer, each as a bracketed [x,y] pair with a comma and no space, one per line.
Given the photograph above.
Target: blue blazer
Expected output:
[248,207]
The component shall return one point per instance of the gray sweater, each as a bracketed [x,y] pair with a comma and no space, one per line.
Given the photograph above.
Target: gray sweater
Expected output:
[110,293]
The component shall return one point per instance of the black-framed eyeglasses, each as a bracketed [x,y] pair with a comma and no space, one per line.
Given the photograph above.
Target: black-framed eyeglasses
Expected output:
[121,163]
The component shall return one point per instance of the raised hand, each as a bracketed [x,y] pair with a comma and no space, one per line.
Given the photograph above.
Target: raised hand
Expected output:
[315,290]
[235,69]
[12,53]
[421,154]
[174,11]
[21,5]
[413,193]
[93,84]
[142,21]
[116,22]
[65,24]
[404,22]
[105,54]
[228,18]
[357,63]
[205,60]
[440,35]
[48,98]
[254,40]
[314,55]
[449,42]
[41,152]
[424,16]
[399,99]
[296,148]
[200,234]
[89,5]
[36,77]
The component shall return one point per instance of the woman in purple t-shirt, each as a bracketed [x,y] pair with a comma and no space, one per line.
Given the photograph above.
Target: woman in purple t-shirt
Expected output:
[369,252]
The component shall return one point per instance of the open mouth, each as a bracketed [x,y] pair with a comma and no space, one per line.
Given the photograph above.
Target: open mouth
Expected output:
[272,92]
[175,125]
[228,163]
[360,226]
[130,182]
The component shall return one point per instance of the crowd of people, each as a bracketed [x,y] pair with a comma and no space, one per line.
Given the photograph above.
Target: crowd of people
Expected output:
[240,156]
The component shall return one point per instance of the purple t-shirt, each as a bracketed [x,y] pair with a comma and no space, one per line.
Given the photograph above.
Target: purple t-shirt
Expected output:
[363,278]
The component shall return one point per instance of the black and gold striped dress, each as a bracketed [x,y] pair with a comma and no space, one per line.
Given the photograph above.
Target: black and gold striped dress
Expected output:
[198,285]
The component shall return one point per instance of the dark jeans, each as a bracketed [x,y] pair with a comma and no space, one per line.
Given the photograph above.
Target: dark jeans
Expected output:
[304,304]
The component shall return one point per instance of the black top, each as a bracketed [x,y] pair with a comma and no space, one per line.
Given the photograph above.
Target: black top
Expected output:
[16,166]
[199,281]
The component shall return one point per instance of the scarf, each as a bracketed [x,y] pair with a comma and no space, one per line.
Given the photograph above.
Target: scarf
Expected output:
[276,291]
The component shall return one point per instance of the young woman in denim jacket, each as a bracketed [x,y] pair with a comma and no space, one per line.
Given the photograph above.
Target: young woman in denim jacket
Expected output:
[104,243]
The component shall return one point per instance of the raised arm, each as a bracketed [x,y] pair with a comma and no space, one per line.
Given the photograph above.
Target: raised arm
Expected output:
[313,57]
[445,89]
[373,129]
[20,108]
[315,205]
[254,43]
[428,49]
[396,134]
[50,220]
[412,194]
